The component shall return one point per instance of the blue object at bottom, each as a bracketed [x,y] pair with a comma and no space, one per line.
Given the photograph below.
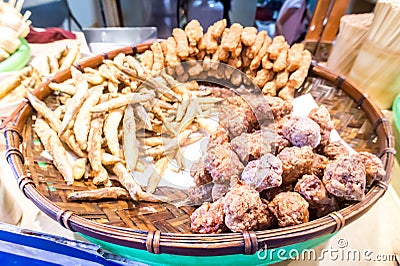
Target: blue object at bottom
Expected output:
[260,258]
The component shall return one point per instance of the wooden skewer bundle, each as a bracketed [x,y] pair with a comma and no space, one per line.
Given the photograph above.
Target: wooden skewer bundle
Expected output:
[377,65]
[354,30]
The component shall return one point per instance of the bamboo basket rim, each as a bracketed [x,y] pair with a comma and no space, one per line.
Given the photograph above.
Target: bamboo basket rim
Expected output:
[200,244]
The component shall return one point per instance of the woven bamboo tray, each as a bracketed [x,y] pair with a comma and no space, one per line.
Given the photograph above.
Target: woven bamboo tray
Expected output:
[164,228]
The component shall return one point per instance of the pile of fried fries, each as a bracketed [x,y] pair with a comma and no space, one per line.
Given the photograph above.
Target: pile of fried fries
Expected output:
[111,116]
[271,64]
[29,78]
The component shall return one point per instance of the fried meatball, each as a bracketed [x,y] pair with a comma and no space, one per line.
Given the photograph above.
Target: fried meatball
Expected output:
[322,117]
[302,131]
[319,165]
[259,105]
[269,194]
[296,162]
[263,173]
[280,122]
[314,191]
[279,107]
[345,178]
[200,194]
[250,146]
[209,218]
[199,173]
[289,209]
[223,163]
[334,150]
[221,92]
[280,144]
[374,169]
[244,210]
[219,190]
[235,117]
[218,137]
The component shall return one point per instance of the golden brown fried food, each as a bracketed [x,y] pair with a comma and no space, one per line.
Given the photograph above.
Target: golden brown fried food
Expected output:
[297,77]
[147,60]
[281,62]
[182,45]
[289,209]
[109,193]
[218,28]
[194,32]
[76,101]
[269,88]
[53,145]
[131,151]
[295,56]
[244,210]
[209,218]
[111,131]
[255,63]
[278,44]
[253,50]
[158,58]
[262,77]
[82,121]
[238,50]
[230,41]
[286,93]
[282,79]
[248,36]
[266,63]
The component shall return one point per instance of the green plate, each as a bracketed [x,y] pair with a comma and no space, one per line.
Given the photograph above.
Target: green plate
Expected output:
[262,257]
[18,59]
[396,124]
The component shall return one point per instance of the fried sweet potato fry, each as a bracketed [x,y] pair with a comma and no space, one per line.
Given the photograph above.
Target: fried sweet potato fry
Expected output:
[65,88]
[147,60]
[53,145]
[79,168]
[111,131]
[76,101]
[109,193]
[159,169]
[158,60]
[120,101]
[94,149]
[82,121]
[131,151]
[109,159]
[130,183]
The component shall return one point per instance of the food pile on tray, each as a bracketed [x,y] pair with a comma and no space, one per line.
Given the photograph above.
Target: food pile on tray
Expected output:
[263,166]
[13,26]
[31,77]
